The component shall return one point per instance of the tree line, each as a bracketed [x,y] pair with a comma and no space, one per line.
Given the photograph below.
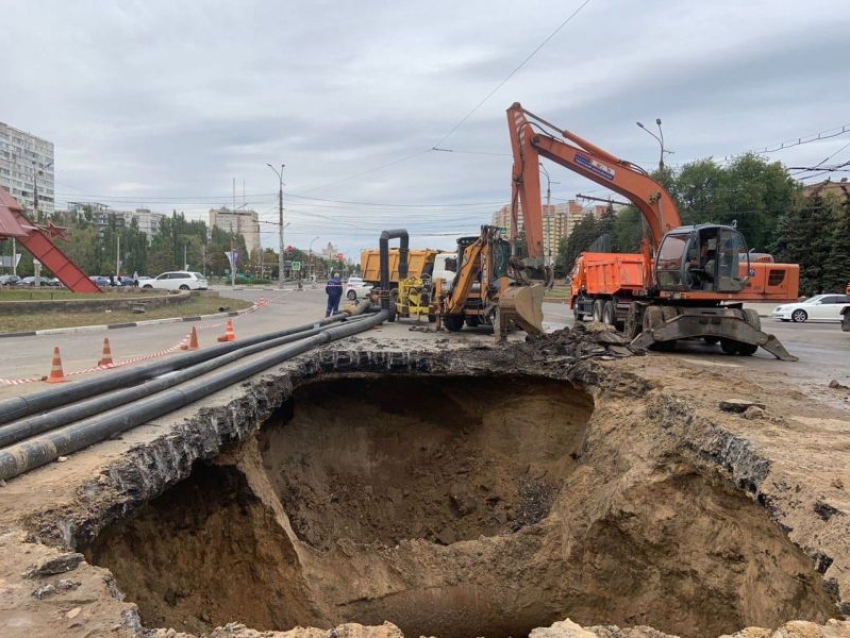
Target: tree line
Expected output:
[179,244]
[758,197]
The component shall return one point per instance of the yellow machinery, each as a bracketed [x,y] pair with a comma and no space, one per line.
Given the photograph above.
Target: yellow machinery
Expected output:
[414,297]
[487,289]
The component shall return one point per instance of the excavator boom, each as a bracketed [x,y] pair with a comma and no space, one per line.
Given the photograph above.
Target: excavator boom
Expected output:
[586,159]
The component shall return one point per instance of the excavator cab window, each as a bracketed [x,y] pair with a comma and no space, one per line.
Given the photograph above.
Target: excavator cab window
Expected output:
[671,263]
[733,261]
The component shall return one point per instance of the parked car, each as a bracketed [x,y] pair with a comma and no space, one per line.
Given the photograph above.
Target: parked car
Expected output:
[356,288]
[100,280]
[845,321]
[9,280]
[817,308]
[178,280]
[30,281]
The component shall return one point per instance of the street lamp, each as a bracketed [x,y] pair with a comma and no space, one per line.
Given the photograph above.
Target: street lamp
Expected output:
[659,139]
[35,174]
[549,183]
[279,174]
[312,265]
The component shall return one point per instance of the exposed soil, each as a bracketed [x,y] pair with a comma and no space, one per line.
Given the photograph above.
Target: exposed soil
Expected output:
[456,507]
[386,459]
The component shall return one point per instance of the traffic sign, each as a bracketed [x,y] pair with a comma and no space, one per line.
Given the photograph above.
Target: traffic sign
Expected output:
[296,266]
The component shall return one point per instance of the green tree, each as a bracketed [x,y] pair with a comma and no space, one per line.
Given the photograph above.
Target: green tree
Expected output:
[585,232]
[806,238]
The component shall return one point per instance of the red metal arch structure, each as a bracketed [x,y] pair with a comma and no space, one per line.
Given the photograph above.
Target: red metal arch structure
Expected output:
[38,240]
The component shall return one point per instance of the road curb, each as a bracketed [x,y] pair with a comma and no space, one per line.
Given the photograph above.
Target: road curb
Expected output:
[129,324]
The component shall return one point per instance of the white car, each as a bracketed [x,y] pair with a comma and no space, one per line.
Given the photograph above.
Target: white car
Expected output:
[817,308]
[177,280]
[356,288]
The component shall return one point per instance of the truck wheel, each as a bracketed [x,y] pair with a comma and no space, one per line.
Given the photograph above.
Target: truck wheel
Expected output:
[578,316]
[633,322]
[453,323]
[597,310]
[473,321]
[608,312]
[711,340]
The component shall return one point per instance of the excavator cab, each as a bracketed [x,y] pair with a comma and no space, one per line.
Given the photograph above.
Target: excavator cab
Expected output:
[704,258]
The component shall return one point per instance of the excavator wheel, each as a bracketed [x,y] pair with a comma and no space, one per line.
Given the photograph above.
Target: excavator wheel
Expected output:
[752,318]
[453,323]
[728,346]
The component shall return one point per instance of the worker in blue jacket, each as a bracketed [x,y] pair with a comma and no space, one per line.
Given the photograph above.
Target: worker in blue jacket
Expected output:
[334,292]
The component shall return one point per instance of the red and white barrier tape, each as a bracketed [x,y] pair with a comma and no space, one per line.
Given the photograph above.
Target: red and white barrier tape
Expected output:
[144,357]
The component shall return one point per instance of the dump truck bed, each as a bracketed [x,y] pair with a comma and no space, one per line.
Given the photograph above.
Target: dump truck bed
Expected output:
[418,261]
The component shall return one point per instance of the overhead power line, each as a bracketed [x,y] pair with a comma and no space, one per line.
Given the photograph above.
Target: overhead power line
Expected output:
[798,141]
[466,117]
[513,73]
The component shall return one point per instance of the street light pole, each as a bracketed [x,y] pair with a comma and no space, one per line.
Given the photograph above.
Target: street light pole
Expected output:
[549,183]
[660,141]
[280,261]
[312,265]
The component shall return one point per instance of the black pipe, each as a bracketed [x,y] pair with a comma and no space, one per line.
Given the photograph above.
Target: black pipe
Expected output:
[47,447]
[17,407]
[403,250]
[25,428]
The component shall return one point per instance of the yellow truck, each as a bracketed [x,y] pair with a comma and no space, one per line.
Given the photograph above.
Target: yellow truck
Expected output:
[419,262]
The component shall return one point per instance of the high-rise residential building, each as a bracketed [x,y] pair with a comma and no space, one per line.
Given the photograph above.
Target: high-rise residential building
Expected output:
[104,217]
[558,221]
[502,219]
[240,222]
[26,168]
[147,221]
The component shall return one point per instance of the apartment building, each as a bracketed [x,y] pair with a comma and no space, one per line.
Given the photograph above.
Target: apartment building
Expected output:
[26,169]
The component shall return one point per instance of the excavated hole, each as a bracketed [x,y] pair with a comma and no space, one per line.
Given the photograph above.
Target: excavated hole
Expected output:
[456,507]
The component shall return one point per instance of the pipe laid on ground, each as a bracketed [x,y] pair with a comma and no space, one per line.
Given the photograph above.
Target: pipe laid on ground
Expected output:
[17,407]
[27,427]
[43,449]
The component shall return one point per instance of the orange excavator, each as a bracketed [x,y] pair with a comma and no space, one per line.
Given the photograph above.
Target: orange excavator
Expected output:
[688,282]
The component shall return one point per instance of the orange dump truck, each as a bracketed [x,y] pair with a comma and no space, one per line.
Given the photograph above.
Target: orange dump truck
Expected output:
[604,285]
[419,262]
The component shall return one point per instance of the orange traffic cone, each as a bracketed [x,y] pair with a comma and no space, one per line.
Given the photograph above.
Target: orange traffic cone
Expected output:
[229,334]
[106,356]
[56,374]
[262,302]
[191,342]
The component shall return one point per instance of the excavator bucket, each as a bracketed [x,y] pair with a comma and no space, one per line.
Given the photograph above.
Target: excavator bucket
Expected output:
[524,306]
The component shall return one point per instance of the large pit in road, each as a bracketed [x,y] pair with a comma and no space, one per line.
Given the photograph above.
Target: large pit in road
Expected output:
[457,507]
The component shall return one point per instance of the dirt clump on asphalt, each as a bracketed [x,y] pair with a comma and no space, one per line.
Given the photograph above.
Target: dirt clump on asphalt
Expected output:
[456,506]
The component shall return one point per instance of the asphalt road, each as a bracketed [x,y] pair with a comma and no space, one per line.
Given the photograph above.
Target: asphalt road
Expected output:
[824,350]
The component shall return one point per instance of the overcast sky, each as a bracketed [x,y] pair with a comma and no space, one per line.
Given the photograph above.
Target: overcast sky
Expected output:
[162,104]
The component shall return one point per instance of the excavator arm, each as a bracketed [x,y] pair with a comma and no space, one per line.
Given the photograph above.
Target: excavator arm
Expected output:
[586,159]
